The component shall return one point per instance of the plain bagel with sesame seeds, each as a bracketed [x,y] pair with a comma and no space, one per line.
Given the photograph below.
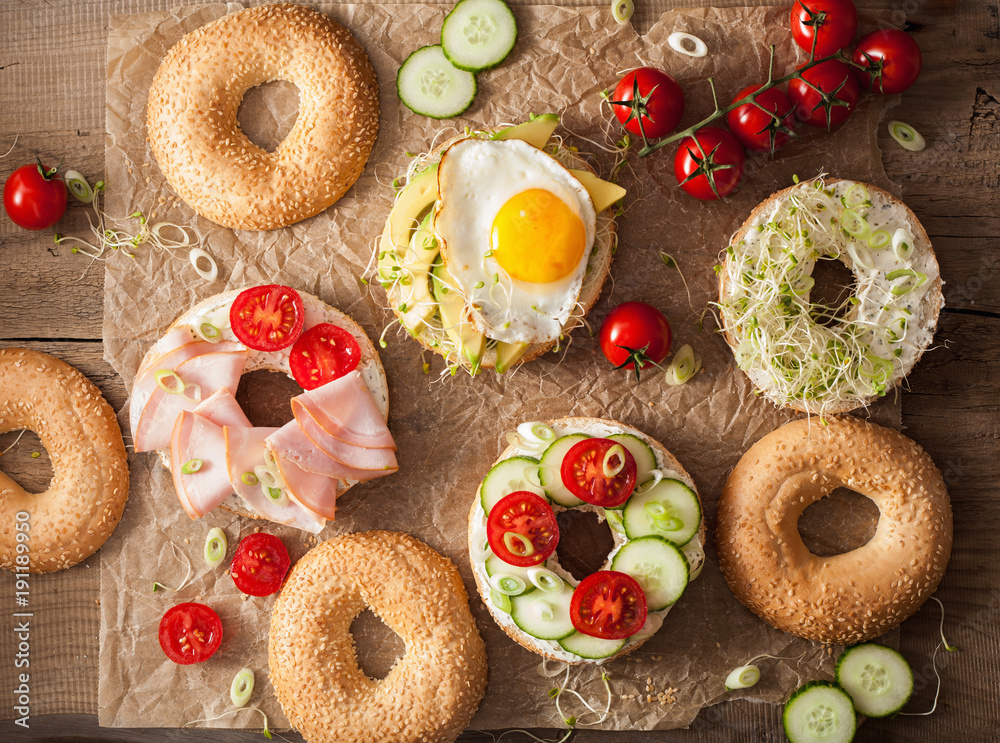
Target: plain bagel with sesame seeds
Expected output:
[205,156]
[85,499]
[432,691]
[847,598]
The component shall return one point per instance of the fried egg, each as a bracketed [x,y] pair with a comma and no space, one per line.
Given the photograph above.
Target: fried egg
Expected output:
[516,230]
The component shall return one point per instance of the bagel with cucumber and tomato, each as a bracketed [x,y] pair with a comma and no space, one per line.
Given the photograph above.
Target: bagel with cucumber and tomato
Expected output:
[497,245]
[629,480]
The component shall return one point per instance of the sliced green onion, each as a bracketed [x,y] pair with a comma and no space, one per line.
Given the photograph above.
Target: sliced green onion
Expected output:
[542,432]
[169,381]
[533,434]
[804,285]
[855,225]
[192,392]
[669,524]
[242,687]
[695,554]
[507,584]
[684,366]
[614,520]
[902,244]
[615,452]
[480,545]
[191,466]
[656,510]
[533,476]
[688,44]
[545,579]
[743,677]
[860,256]
[265,477]
[879,239]
[500,601]
[622,11]
[857,195]
[215,547]
[543,610]
[649,483]
[78,186]
[196,256]
[906,136]
[249,478]
[900,273]
[277,496]
[205,330]
[518,544]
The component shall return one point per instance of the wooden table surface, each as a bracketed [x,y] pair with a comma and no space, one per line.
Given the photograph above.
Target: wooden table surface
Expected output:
[950,407]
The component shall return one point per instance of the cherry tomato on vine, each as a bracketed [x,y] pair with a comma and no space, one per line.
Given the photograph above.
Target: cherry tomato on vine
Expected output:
[635,335]
[755,128]
[267,318]
[33,197]
[608,604]
[190,633]
[711,153]
[832,23]
[826,95]
[522,529]
[892,59]
[649,96]
[260,564]
[599,471]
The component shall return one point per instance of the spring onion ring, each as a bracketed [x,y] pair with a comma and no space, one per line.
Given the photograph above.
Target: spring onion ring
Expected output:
[500,601]
[264,476]
[536,432]
[656,510]
[249,478]
[855,225]
[543,610]
[688,44]
[615,452]
[902,244]
[278,496]
[695,554]
[614,520]
[622,11]
[507,584]
[205,330]
[191,392]
[78,186]
[857,197]
[196,255]
[684,366]
[191,466]
[906,136]
[668,524]
[215,550]
[169,381]
[518,544]
[545,579]
[860,255]
[242,687]
[743,677]
[480,549]
[879,239]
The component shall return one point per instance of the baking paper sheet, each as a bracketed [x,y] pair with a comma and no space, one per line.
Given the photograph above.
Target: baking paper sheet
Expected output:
[449,429]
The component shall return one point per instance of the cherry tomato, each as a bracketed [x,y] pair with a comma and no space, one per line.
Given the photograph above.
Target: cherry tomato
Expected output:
[323,353]
[609,605]
[583,472]
[832,23]
[268,317]
[719,157]
[827,96]
[651,97]
[635,335]
[260,564]
[522,529]
[755,128]
[34,198]
[893,60]
[190,633]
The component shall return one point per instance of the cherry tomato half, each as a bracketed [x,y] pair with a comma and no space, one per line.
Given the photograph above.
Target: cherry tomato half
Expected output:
[260,564]
[609,605]
[190,633]
[826,96]
[892,59]
[268,317]
[635,332]
[719,157]
[522,529]
[650,96]
[323,353]
[754,127]
[583,472]
[33,198]
[832,23]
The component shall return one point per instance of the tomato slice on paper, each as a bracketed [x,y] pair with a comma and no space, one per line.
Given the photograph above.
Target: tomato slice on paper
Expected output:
[584,474]
[323,353]
[609,605]
[267,318]
[190,633]
[260,564]
[522,529]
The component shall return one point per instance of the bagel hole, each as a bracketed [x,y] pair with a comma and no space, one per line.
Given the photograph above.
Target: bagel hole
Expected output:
[268,112]
[584,542]
[841,522]
[265,397]
[377,647]
[834,284]
[19,463]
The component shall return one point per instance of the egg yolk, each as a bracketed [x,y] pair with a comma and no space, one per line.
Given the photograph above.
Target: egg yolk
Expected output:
[537,238]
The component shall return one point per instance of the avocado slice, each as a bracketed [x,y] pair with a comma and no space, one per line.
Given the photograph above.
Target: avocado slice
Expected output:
[535,132]
[470,342]
[420,193]
[508,354]
[602,193]
[416,303]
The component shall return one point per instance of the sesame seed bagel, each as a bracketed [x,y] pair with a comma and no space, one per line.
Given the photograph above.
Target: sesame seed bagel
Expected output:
[86,496]
[210,162]
[846,598]
[432,691]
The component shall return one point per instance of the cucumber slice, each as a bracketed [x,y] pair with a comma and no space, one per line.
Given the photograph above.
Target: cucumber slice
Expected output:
[505,478]
[591,647]
[819,712]
[478,34]
[659,567]
[428,84]
[544,615]
[879,679]
[552,469]
[681,512]
[495,565]
[645,460]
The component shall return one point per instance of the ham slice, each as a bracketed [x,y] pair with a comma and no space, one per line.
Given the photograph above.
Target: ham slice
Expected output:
[244,451]
[291,443]
[366,464]
[346,410]
[316,493]
[196,437]
[222,409]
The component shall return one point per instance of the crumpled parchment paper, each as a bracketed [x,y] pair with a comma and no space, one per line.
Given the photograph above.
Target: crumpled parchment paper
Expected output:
[448,429]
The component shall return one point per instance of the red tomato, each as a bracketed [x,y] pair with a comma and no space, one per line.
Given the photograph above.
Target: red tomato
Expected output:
[892,59]
[33,198]
[609,605]
[260,564]
[190,633]
[582,472]
[832,23]
[649,98]
[635,333]
[827,96]
[323,353]
[719,157]
[268,317]
[522,529]
[755,128]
